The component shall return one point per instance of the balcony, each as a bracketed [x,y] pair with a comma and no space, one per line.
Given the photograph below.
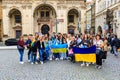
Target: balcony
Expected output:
[40,20]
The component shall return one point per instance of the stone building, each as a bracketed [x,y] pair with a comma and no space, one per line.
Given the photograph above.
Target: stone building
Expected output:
[45,16]
[90,16]
[1,29]
[101,10]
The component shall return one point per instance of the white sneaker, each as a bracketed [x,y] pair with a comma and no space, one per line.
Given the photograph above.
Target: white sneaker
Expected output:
[41,62]
[83,64]
[36,62]
[32,63]
[50,59]
[21,62]
[87,64]
[99,67]
[93,63]
[28,60]
[61,58]
[56,59]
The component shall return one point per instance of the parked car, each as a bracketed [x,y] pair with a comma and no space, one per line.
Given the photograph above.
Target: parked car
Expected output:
[11,41]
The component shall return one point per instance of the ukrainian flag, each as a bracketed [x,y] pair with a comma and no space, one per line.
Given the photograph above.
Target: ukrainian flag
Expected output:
[60,48]
[85,54]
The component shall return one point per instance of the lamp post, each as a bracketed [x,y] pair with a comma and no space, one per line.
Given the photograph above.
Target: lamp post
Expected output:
[56,22]
[79,22]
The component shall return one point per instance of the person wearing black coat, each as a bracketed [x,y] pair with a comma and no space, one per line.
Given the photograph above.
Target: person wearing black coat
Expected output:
[41,48]
[116,45]
[33,51]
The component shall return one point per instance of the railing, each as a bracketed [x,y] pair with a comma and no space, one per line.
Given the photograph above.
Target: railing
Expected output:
[43,20]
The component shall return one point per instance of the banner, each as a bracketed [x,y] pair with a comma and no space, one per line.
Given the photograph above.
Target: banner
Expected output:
[60,48]
[85,54]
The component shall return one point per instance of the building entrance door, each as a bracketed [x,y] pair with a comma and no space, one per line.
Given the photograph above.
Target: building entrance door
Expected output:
[18,33]
[45,29]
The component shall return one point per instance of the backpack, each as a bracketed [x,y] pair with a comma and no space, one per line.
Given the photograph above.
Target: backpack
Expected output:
[117,43]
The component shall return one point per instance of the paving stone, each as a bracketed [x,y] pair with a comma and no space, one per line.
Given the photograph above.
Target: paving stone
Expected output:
[10,69]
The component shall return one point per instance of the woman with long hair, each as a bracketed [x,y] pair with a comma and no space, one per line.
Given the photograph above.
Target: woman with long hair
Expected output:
[21,47]
[41,48]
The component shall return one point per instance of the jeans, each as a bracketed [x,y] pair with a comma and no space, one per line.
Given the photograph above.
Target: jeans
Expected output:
[63,55]
[41,51]
[21,51]
[56,55]
[33,56]
[47,54]
[115,50]
[50,54]
[29,54]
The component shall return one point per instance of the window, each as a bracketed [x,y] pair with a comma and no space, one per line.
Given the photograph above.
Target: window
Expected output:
[119,13]
[115,1]
[115,14]
[71,18]
[42,13]
[47,14]
[108,3]
[111,2]
[17,19]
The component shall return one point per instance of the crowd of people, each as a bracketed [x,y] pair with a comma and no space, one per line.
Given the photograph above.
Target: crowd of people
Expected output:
[39,47]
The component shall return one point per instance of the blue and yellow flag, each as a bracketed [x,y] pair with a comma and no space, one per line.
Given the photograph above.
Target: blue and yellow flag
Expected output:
[60,48]
[85,54]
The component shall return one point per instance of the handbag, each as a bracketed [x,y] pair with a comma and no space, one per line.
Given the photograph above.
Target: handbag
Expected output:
[100,52]
[20,47]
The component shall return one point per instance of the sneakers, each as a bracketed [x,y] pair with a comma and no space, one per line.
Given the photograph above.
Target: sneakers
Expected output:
[56,59]
[83,64]
[21,62]
[50,59]
[32,63]
[61,58]
[87,64]
[98,67]
[36,62]
[28,60]
[41,62]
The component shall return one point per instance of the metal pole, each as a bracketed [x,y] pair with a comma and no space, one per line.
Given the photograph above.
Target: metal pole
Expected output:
[56,25]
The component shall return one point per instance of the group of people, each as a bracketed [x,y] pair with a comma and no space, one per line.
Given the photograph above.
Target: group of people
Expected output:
[39,47]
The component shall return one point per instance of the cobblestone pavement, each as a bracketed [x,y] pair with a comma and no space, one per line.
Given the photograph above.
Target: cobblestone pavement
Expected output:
[10,69]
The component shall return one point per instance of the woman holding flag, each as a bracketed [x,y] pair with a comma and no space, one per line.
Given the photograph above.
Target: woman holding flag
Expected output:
[85,44]
[56,42]
[63,41]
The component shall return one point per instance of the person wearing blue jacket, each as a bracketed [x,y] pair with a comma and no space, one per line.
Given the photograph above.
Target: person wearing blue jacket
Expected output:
[28,42]
[56,42]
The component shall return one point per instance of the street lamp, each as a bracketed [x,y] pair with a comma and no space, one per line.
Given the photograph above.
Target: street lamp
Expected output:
[79,22]
[56,22]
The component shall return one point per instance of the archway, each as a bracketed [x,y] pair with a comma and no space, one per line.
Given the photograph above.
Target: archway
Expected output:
[99,30]
[44,14]
[15,23]
[45,29]
[73,21]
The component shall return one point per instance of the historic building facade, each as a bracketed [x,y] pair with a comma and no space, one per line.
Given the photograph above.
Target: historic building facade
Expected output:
[1,29]
[45,16]
[102,7]
[90,15]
